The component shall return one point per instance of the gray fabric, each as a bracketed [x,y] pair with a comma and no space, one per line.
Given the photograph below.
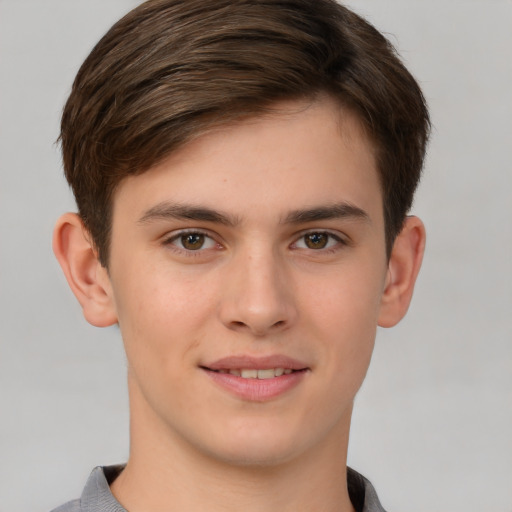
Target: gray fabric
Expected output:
[362,493]
[97,497]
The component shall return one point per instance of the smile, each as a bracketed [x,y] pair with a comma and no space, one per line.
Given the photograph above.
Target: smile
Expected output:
[256,379]
[251,373]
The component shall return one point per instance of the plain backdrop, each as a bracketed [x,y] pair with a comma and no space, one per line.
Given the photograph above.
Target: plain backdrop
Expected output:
[432,426]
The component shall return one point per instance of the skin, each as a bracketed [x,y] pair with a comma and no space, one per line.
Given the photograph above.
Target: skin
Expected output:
[258,286]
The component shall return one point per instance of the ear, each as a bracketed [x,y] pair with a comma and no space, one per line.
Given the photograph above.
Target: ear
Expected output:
[87,278]
[403,267]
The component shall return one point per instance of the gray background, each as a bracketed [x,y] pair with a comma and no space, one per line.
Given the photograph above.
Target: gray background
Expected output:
[433,422]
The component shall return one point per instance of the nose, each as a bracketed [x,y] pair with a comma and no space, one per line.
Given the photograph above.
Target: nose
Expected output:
[258,295]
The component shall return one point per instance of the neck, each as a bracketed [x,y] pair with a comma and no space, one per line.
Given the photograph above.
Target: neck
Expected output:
[165,473]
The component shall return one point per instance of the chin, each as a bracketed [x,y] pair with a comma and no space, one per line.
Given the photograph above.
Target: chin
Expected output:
[256,456]
[258,447]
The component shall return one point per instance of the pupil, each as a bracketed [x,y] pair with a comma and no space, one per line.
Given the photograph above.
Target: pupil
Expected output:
[316,240]
[192,241]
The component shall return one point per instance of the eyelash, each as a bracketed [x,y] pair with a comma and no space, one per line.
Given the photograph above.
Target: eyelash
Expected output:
[339,242]
[169,241]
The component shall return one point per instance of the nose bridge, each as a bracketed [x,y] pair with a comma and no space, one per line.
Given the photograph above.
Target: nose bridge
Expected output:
[257,294]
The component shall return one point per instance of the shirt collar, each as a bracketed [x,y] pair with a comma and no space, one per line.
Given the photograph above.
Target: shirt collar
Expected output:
[97,497]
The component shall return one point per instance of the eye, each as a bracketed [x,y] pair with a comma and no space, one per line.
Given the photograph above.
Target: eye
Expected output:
[317,240]
[192,241]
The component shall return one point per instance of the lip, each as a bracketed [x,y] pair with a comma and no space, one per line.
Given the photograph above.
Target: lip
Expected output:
[256,363]
[256,390]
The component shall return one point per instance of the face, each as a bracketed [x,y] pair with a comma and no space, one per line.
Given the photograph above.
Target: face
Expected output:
[247,272]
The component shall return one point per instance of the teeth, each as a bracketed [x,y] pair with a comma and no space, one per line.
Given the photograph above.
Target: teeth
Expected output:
[266,374]
[249,374]
[269,373]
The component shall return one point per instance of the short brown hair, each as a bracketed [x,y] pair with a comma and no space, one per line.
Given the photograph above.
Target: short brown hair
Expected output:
[171,69]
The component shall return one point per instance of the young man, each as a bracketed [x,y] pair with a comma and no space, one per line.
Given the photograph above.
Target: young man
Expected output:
[242,170]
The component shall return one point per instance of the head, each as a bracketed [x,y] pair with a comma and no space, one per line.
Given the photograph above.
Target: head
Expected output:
[243,170]
[172,70]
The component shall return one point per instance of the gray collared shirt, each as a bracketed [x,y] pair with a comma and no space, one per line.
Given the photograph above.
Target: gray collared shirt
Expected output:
[96,496]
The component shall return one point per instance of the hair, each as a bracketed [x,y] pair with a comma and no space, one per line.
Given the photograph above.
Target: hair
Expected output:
[172,69]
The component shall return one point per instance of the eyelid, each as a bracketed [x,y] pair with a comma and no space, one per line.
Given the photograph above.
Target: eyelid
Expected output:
[169,238]
[341,239]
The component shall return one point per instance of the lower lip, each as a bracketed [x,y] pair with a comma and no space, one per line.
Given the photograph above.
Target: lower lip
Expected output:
[257,390]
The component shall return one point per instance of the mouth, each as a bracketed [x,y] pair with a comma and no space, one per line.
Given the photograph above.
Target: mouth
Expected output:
[254,373]
[256,379]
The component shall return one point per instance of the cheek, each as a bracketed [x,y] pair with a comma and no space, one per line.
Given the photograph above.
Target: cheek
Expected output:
[161,314]
[345,323]
[348,302]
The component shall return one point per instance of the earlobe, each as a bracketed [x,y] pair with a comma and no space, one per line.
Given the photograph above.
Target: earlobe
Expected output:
[403,267]
[87,278]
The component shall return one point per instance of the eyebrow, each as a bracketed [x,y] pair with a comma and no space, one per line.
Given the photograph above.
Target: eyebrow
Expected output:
[342,210]
[167,210]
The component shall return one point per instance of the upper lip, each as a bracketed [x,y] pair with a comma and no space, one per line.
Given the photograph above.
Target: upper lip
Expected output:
[256,363]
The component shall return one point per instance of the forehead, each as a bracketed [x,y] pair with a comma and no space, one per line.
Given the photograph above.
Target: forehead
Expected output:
[299,154]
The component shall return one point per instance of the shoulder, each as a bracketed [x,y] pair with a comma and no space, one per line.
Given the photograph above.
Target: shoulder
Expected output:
[362,493]
[70,506]
[96,495]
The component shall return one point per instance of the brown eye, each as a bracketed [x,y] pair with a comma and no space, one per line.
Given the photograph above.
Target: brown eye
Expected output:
[316,240]
[192,241]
